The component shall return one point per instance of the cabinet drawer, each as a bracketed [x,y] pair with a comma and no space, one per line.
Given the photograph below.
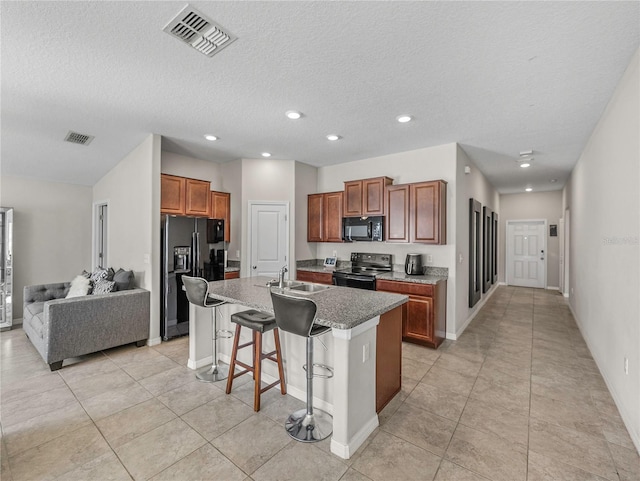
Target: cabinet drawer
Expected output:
[317,277]
[407,288]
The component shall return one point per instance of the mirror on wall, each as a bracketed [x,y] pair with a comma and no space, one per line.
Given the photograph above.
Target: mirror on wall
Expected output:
[475,254]
[487,248]
[6,267]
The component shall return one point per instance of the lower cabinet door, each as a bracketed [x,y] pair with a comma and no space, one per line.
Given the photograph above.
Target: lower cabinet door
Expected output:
[419,321]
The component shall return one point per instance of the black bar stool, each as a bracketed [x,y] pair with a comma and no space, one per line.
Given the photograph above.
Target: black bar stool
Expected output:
[296,315]
[259,322]
[197,290]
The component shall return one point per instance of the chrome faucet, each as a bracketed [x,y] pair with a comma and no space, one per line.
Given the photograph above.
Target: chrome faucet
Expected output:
[281,273]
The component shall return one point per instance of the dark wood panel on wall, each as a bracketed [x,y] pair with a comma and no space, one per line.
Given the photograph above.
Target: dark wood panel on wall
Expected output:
[494,218]
[487,249]
[475,254]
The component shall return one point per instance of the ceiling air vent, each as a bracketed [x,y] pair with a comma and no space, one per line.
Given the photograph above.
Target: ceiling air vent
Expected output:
[193,28]
[77,138]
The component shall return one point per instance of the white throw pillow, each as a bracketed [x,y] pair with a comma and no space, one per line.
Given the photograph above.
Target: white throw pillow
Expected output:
[79,287]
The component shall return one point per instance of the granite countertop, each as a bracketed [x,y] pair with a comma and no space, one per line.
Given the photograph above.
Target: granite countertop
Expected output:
[338,307]
[402,277]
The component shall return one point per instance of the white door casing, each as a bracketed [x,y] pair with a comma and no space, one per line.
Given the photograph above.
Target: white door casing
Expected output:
[268,237]
[100,234]
[527,253]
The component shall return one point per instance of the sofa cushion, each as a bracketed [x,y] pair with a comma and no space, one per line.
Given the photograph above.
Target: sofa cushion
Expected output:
[124,280]
[36,324]
[80,286]
[34,308]
[104,286]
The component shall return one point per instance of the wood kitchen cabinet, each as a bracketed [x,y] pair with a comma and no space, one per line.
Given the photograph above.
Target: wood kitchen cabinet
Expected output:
[316,277]
[197,198]
[388,357]
[221,209]
[324,217]
[365,197]
[424,316]
[172,194]
[417,212]
[183,196]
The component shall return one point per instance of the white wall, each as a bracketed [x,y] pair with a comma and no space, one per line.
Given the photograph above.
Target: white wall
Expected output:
[52,231]
[232,183]
[469,186]
[267,180]
[533,205]
[404,167]
[132,190]
[183,166]
[306,183]
[604,248]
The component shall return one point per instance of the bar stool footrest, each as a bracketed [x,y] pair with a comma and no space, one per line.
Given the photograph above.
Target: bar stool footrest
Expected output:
[323,367]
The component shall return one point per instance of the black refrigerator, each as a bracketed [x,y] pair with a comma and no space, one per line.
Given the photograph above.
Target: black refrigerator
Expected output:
[185,251]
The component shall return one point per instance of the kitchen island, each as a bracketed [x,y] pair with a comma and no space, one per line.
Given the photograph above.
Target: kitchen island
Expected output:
[353,315]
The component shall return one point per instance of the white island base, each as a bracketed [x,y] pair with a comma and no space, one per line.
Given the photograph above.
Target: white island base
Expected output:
[350,396]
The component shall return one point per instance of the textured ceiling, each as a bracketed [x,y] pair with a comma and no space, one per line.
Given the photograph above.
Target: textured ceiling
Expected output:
[496,77]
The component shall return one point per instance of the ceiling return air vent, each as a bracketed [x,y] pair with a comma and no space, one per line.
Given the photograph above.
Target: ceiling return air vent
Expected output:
[193,28]
[77,138]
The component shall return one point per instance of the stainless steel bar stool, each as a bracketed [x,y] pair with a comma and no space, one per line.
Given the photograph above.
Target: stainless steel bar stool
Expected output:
[296,315]
[198,294]
[259,322]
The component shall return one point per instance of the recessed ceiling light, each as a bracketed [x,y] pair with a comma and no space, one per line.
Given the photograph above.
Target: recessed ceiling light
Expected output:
[528,189]
[553,181]
[293,114]
[266,154]
[210,137]
[403,118]
[333,137]
[524,165]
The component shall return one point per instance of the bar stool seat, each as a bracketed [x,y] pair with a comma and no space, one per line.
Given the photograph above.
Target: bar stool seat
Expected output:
[259,322]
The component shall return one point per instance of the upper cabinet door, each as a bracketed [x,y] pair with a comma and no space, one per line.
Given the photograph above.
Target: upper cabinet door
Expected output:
[197,198]
[397,208]
[332,216]
[315,218]
[429,212]
[353,198]
[373,195]
[172,194]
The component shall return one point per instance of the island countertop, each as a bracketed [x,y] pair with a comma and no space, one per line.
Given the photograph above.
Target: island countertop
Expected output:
[338,307]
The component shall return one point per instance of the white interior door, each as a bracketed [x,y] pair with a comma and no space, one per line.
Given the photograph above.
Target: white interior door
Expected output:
[269,238]
[526,253]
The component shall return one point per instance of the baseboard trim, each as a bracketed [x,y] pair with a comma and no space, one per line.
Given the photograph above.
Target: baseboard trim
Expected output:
[345,451]
[479,306]
[154,341]
[553,288]
[635,437]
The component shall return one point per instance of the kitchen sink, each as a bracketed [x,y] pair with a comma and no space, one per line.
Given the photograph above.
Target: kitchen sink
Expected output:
[310,288]
[285,284]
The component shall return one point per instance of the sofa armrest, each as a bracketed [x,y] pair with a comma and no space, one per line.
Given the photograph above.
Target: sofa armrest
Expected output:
[86,324]
[45,292]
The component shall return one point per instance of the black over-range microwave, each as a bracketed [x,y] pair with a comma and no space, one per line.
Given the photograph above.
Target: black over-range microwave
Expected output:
[363,228]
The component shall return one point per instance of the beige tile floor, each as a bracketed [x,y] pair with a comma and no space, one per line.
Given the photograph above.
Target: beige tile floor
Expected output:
[517,397]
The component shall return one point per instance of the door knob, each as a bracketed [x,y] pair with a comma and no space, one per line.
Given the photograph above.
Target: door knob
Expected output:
[255,267]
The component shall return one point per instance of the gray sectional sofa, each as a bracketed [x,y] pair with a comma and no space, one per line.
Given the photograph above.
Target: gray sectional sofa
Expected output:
[62,328]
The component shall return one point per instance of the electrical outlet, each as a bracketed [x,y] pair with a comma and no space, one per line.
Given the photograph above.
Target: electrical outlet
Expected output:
[237,254]
[365,352]
[429,259]
[626,365]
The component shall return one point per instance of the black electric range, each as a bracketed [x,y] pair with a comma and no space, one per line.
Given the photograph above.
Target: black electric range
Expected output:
[364,269]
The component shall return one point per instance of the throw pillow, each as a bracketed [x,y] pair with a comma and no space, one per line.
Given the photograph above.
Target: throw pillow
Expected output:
[124,280]
[80,286]
[103,286]
[101,273]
